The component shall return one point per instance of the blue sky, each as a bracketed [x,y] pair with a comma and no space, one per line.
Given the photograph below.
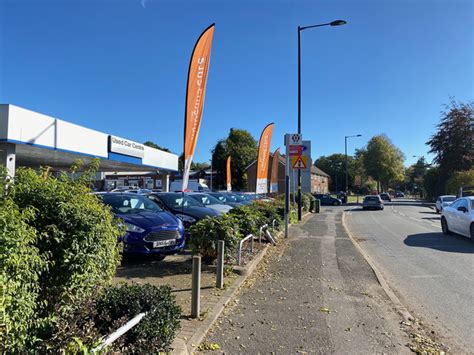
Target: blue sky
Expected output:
[120,66]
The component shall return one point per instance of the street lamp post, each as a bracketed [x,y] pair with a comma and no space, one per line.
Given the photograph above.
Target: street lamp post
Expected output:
[301,28]
[347,165]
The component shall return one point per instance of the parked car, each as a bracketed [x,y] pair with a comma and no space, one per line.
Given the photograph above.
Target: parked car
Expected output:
[458,217]
[150,229]
[210,201]
[239,198]
[399,194]
[182,206]
[372,202]
[327,200]
[443,201]
[193,185]
[385,197]
[227,199]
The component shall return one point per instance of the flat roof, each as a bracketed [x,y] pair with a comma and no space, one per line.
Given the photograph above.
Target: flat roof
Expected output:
[43,140]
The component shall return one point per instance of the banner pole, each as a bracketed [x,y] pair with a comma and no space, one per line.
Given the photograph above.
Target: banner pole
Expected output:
[287,187]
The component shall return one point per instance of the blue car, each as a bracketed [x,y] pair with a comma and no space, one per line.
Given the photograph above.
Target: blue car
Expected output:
[150,229]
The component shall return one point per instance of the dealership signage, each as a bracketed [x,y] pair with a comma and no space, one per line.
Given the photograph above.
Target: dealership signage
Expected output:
[126,147]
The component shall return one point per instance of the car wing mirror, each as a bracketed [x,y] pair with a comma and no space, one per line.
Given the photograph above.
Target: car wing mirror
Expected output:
[462,209]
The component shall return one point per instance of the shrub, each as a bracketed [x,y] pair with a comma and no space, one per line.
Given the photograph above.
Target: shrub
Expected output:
[270,211]
[20,268]
[106,311]
[205,234]
[248,219]
[459,179]
[71,232]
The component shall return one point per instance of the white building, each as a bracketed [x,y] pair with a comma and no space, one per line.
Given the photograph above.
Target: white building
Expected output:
[32,139]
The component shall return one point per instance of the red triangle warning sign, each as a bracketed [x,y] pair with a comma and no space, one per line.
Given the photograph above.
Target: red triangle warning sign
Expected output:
[299,162]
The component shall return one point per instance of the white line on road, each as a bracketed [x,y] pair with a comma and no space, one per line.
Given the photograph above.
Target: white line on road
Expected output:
[425,276]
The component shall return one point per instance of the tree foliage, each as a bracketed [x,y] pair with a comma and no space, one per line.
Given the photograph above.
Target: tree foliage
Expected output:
[459,179]
[383,161]
[335,166]
[242,148]
[156,146]
[453,143]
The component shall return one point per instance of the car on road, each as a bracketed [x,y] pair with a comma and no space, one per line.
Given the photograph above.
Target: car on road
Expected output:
[150,229]
[373,202]
[182,206]
[328,200]
[399,194]
[458,217]
[443,201]
[385,197]
[210,202]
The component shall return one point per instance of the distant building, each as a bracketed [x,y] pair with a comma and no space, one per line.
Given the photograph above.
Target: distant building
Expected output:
[315,182]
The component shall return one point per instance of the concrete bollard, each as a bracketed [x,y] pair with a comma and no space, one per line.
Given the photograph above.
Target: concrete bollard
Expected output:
[220,264]
[196,288]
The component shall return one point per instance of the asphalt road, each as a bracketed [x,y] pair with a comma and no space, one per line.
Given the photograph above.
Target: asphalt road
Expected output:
[432,274]
[316,296]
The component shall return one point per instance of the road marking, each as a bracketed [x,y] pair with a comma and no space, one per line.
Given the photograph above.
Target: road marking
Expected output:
[402,214]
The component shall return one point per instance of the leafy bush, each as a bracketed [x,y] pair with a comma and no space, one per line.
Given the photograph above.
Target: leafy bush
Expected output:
[270,211]
[205,234]
[110,309]
[459,179]
[59,242]
[21,265]
[248,219]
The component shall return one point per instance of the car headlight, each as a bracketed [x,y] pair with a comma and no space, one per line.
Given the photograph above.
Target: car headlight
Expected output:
[180,223]
[133,228]
[185,218]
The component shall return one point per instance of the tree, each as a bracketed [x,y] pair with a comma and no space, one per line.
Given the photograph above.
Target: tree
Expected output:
[453,143]
[459,179]
[335,166]
[242,148]
[156,146]
[383,161]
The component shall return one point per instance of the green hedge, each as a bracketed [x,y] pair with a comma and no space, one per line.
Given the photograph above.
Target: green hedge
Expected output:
[59,243]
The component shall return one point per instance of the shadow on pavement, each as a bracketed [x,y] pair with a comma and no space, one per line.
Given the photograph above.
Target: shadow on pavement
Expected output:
[451,243]
[362,210]
[429,212]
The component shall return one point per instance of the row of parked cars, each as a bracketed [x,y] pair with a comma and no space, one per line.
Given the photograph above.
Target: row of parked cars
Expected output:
[156,222]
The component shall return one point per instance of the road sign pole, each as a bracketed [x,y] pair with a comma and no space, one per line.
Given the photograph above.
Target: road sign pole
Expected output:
[287,185]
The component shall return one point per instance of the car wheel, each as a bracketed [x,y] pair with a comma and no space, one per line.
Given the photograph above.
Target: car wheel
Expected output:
[381,208]
[335,203]
[437,211]
[444,226]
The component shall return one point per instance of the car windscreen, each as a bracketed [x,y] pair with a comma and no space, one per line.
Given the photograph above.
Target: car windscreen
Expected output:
[371,198]
[125,204]
[231,198]
[220,197]
[206,199]
[449,198]
[178,201]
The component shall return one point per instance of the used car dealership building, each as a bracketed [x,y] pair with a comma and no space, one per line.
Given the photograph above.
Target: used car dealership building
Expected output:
[36,140]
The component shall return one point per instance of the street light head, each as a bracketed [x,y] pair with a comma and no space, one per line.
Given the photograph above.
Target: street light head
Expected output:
[359,135]
[337,23]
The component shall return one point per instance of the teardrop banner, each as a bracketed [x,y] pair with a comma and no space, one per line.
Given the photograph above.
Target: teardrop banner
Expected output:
[274,176]
[229,177]
[195,92]
[262,160]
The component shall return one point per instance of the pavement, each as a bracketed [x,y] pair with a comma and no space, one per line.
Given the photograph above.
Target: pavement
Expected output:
[318,295]
[432,274]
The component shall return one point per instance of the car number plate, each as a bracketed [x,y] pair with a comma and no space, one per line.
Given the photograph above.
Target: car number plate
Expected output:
[164,243]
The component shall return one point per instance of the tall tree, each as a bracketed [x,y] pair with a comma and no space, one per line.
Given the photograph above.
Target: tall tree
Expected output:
[335,166]
[242,147]
[453,143]
[383,161]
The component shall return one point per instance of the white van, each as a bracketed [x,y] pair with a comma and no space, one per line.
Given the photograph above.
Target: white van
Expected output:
[193,185]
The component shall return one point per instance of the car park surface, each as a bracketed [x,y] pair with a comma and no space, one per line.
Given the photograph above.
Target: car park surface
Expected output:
[458,217]
[150,229]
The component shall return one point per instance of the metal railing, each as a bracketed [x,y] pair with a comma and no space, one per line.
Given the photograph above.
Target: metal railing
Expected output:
[241,242]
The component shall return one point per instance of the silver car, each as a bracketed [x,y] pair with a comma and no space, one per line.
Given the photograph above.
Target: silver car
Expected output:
[210,202]
[458,217]
[443,201]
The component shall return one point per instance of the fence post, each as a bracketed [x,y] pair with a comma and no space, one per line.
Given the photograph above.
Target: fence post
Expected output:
[196,288]
[220,264]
